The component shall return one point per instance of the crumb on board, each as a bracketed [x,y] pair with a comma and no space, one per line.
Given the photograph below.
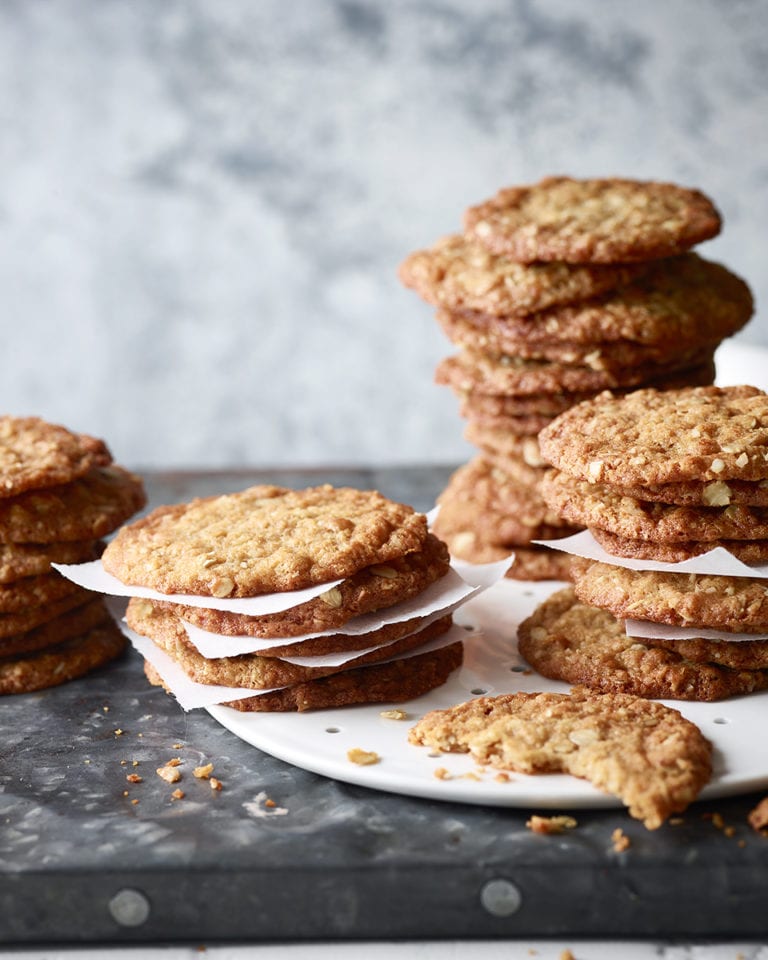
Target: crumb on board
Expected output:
[363,758]
[169,773]
[134,778]
[620,840]
[178,794]
[441,773]
[215,783]
[758,817]
[119,732]
[567,955]
[550,825]
[203,772]
[173,762]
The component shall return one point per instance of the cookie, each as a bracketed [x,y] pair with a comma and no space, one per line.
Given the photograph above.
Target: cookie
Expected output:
[734,655]
[62,663]
[596,505]
[738,604]
[458,273]
[263,539]
[36,454]
[393,682]
[748,551]
[34,592]
[698,493]
[608,220]
[19,560]
[539,563]
[645,753]
[576,643]
[653,437]
[165,629]
[65,626]
[23,620]
[373,588]
[501,445]
[85,509]
[679,302]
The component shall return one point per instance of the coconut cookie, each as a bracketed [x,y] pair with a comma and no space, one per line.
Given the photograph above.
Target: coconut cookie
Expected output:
[574,642]
[263,539]
[645,753]
[608,220]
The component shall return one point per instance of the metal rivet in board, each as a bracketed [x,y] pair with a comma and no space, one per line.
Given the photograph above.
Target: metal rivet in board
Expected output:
[501,898]
[129,908]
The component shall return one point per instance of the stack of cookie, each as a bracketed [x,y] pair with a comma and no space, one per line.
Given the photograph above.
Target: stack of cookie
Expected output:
[555,292]
[59,493]
[660,478]
[356,552]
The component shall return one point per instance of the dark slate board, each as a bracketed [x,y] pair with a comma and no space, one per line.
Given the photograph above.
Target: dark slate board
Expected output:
[80,863]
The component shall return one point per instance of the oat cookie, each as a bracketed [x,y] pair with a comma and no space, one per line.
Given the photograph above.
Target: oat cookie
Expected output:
[66,661]
[373,588]
[19,560]
[263,539]
[71,623]
[735,655]
[748,551]
[652,437]
[506,452]
[23,620]
[567,640]
[682,301]
[459,273]
[698,493]
[539,563]
[645,753]
[609,220]
[596,505]
[36,454]
[250,670]
[393,682]
[34,592]
[738,604]
[85,509]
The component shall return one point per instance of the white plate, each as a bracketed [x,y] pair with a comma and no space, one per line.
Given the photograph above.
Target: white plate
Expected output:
[319,740]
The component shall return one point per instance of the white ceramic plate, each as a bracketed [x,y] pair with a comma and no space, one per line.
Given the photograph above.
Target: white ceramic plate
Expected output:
[319,740]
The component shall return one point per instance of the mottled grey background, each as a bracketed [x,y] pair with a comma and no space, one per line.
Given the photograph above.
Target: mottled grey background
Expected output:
[203,204]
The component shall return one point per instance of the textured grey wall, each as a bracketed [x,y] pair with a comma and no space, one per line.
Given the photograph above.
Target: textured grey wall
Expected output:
[203,203]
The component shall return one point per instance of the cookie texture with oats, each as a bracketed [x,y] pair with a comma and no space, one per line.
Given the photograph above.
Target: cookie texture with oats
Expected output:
[567,640]
[21,621]
[373,588]
[748,551]
[645,753]
[654,437]
[737,604]
[87,508]
[65,626]
[608,220]
[262,540]
[19,560]
[34,454]
[394,682]
[34,592]
[459,273]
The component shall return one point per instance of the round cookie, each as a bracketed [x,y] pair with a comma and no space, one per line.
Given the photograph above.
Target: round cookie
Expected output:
[738,604]
[36,454]
[748,551]
[596,505]
[19,560]
[646,753]
[735,655]
[698,493]
[23,620]
[609,220]
[373,588]
[66,661]
[459,273]
[263,539]
[539,563]
[653,437]
[65,626]
[570,641]
[679,302]
[85,509]
[34,592]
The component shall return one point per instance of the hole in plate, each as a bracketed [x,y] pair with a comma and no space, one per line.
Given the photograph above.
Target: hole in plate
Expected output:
[478,691]
[528,593]
[468,627]
[720,720]
[517,668]
[434,756]
[332,730]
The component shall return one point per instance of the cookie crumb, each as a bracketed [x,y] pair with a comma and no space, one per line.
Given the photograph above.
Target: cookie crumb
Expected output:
[119,732]
[134,801]
[502,778]
[567,955]
[215,784]
[620,840]
[363,758]
[178,795]
[203,772]
[394,714]
[441,773]
[550,825]
[169,773]
[134,778]
[758,817]
[173,762]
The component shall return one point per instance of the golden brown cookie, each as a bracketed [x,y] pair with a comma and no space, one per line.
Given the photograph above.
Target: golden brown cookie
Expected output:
[502,446]
[85,509]
[66,661]
[539,563]
[734,655]
[676,303]
[693,493]
[653,437]
[19,560]
[596,505]
[165,629]
[36,454]
[34,592]
[393,682]
[373,588]
[748,551]
[645,753]
[71,623]
[459,273]
[737,604]
[23,620]
[571,641]
[263,539]
[608,220]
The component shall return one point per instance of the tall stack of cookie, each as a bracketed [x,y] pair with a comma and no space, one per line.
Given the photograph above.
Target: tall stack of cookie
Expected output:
[59,493]
[662,477]
[555,292]
[356,551]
